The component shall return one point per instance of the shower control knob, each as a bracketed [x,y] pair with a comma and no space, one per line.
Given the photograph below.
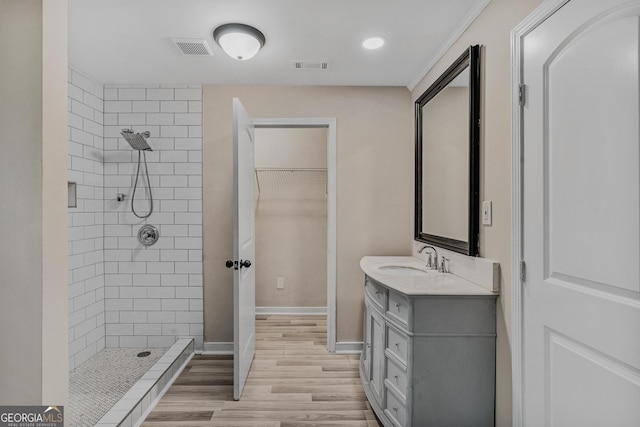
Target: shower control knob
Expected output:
[148,235]
[229,263]
[246,263]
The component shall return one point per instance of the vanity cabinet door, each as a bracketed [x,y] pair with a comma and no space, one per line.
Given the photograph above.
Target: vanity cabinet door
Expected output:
[366,351]
[377,373]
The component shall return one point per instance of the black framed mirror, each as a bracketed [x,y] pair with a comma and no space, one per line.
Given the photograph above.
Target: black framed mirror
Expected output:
[447,181]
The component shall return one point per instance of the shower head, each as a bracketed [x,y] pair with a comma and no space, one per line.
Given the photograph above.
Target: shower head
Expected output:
[137,140]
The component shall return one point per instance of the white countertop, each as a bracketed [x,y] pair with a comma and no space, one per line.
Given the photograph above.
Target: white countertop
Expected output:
[431,283]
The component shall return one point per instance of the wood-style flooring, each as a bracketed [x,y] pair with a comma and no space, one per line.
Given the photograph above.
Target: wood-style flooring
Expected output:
[293,381]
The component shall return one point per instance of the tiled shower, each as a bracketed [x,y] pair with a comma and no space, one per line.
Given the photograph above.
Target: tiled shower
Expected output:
[122,293]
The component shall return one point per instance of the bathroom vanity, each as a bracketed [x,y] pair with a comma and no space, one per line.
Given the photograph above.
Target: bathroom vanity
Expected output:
[429,345]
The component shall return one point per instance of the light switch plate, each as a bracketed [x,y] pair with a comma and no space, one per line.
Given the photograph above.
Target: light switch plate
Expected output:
[486,212]
[280,283]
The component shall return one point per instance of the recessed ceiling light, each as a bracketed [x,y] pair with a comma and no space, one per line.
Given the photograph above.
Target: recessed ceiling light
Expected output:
[373,43]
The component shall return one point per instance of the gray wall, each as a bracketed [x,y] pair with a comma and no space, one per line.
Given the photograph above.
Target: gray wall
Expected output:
[33,259]
[21,200]
[374,152]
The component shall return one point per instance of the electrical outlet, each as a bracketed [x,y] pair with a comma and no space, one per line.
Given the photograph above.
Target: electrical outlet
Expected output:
[280,283]
[486,212]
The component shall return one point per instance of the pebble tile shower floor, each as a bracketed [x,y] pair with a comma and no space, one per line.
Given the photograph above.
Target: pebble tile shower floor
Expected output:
[97,384]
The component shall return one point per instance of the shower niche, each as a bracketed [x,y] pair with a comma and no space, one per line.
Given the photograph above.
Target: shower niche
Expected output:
[72,195]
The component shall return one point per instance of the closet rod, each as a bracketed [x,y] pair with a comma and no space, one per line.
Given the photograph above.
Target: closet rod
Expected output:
[276,173]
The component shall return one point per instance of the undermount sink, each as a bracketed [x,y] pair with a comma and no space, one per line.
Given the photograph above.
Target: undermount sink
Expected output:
[403,270]
[411,276]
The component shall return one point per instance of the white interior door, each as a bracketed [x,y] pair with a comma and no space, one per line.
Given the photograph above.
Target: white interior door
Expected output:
[244,248]
[581,217]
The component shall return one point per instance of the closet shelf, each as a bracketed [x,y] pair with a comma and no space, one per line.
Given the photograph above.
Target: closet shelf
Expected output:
[292,182]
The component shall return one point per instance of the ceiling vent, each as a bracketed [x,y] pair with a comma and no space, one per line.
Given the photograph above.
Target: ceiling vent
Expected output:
[310,65]
[193,47]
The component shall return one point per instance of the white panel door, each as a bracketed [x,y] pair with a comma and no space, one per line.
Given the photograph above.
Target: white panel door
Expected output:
[244,248]
[581,217]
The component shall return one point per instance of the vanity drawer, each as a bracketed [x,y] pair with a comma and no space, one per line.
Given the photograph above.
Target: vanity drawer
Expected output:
[377,293]
[397,343]
[399,306]
[396,409]
[397,376]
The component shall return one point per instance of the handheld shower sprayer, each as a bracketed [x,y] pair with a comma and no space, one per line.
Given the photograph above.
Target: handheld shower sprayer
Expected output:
[138,141]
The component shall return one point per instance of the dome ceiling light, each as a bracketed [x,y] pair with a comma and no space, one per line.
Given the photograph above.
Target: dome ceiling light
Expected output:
[239,41]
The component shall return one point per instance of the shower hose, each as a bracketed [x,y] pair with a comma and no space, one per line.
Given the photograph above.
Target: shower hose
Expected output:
[135,186]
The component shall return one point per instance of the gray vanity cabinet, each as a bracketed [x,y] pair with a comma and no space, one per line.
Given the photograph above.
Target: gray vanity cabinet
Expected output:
[429,360]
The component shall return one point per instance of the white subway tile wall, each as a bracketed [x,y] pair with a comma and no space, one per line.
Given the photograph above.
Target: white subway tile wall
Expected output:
[122,294]
[86,255]
[154,294]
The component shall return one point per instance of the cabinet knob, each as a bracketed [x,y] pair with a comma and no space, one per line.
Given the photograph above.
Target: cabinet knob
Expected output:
[398,306]
[397,345]
[396,377]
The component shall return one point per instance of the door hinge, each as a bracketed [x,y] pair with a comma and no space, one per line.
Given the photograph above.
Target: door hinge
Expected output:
[523,271]
[522,94]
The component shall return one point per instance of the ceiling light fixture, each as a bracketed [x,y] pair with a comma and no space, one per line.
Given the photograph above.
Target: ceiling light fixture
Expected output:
[239,41]
[373,43]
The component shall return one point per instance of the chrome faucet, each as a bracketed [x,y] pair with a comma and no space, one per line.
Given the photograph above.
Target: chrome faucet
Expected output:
[444,266]
[433,260]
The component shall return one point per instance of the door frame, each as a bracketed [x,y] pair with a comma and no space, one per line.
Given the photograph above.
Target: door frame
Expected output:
[537,17]
[330,125]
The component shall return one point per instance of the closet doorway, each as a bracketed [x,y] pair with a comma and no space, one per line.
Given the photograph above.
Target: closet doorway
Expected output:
[296,218]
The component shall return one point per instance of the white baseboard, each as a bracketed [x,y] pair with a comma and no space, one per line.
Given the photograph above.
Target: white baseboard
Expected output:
[291,310]
[349,347]
[222,348]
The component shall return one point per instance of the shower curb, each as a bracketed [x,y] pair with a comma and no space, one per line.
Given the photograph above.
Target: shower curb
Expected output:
[137,403]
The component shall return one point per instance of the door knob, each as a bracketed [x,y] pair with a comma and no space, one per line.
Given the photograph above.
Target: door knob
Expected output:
[229,263]
[246,263]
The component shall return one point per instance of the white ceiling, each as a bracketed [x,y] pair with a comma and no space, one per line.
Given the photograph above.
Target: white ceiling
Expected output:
[128,41]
